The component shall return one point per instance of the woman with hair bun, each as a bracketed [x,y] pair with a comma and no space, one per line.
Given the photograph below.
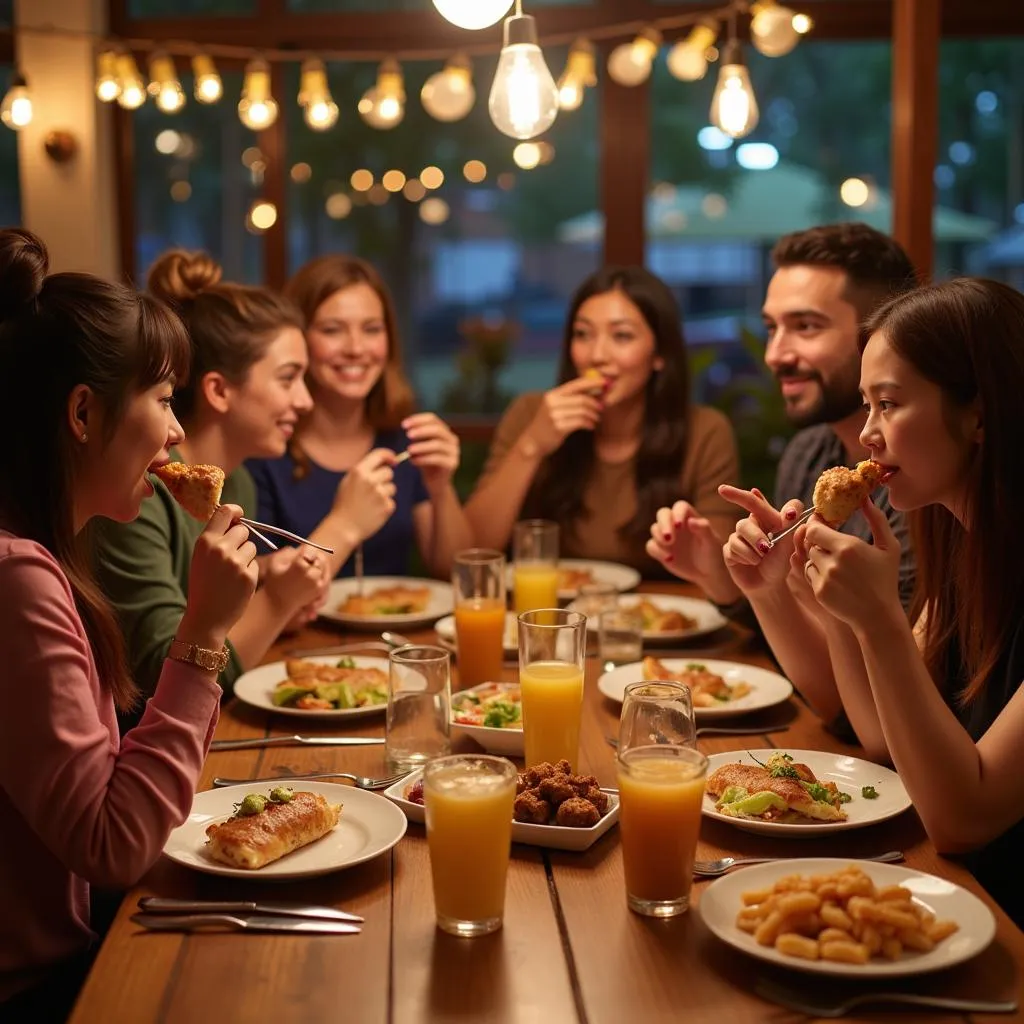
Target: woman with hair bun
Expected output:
[87,370]
[244,397]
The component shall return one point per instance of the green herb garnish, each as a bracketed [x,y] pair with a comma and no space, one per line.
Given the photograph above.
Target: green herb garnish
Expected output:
[346,662]
[869,792]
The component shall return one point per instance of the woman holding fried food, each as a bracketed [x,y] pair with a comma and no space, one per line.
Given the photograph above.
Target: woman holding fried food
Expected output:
[617,438]
[938,694]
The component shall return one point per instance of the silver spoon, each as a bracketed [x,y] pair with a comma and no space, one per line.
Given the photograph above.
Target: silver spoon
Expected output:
[394,639]
[723,864]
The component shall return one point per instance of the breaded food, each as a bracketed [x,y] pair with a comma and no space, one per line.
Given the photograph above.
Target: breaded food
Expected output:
[577,813]
[530,808]
[840,491]
[591,373]
[659,620]
[781,791]
[598,799]
[707,689]
[538,773]
[544,789]
[196,488]
[556,789]
[396,600]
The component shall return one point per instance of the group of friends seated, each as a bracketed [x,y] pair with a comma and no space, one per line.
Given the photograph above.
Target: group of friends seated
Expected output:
[902,626]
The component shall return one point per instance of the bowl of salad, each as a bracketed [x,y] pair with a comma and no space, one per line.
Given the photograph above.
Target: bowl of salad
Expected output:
[492,715]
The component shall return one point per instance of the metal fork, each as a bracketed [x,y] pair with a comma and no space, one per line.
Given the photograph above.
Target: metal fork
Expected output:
[359,781]
[802,1003]
[720,730]
[773,538]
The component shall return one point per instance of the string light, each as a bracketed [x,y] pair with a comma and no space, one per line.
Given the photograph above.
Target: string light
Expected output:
[319,109]
[132,92]
[472,14]
[263,215]
[579,74]
[107,86]
[164,84]
[414,190]
[630,63]
[474,171]
[361,180]
[208,85]
[734,106]
[393,181]
[524,98]
[16,108]
[383,105]
[526,155]
[772,31]
[688,60]
[432,177]
[257,109]
[449,95]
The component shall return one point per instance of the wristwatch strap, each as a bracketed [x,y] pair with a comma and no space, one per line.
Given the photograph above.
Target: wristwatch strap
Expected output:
[203,657]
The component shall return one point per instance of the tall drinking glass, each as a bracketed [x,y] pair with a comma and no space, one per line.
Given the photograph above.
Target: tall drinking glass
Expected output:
[417,726]
[468,802]
[552,643]
[657,712]
[620,636]
[661,789]
[478,580]
[535,554]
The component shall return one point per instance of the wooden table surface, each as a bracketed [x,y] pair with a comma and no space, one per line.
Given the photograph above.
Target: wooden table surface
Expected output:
[570,950]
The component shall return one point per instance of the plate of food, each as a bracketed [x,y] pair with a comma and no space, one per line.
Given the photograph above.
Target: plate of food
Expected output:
[387,601]
[720,689]
[445,629]
[279,832]
[800,793]
[666,616]
[857,919]
[318,687]
[574,573]
[492,715]
[553,807]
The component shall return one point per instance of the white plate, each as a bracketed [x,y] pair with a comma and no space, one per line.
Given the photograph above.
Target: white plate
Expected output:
[622,577]
[708,617]
[368,826]
[255,687]
[439,603]
[507,742]
[848,773]
[720,902]
[445,629]
[554,837]
[766,688]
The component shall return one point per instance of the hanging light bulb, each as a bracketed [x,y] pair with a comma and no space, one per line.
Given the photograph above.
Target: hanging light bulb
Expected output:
[631,63]
[771,28]
[208,86]
[579,73]
[734,106]
[449,95]
[383,105]
[133,88]
[16,109]
[472,14]
[524,98]
[164,84]
[320,110]
[107,86]
[257,109]
[687,60]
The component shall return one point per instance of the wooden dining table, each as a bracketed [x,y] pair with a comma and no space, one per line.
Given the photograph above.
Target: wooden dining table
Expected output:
[570,950]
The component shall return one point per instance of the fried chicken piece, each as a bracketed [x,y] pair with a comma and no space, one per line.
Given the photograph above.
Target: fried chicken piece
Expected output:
[530,808]
[577,813]
[840,491]
[538,773]
[563,767]
[556,789]
[582,784]
[521,784]
[598,799]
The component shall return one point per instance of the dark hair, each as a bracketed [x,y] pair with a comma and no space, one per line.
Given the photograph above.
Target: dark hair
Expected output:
[231,325]
[57,333]
[557,491]
[876,265]
[967,336]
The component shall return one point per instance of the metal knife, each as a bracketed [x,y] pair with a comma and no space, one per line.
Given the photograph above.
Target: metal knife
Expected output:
[254,923]
[291,741]
[166,905]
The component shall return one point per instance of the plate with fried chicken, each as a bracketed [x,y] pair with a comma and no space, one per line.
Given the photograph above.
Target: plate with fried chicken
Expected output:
[383,602]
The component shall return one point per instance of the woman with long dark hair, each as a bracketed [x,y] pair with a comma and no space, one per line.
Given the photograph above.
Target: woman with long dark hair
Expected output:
[616,439]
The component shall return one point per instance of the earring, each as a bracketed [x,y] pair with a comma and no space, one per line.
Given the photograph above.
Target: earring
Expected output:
[85,437]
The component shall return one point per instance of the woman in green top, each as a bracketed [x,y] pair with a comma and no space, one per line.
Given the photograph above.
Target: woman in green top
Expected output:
[244,397]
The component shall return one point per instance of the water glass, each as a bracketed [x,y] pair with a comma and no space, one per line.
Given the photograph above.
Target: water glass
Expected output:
[478,582]
[657,712]
[417,726]
[595,598]
[661,791]
[468,803]
[620,636]
[535,572]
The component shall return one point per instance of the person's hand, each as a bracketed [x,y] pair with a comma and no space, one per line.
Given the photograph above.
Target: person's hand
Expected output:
[797,582]
[433,448]
[683,541]
[365,499]
[853,580]
[296,578]
[222,579]
[753,562]
[564,410]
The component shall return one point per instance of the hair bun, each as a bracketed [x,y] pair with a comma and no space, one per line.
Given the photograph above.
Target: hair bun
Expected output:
[24,263]
[180,276]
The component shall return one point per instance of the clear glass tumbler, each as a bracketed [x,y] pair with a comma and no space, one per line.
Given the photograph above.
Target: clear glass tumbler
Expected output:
[417,726]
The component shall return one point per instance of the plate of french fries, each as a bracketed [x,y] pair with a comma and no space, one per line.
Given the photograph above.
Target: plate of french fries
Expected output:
[854,918]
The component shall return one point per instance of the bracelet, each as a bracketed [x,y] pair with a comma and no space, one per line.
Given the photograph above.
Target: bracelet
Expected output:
[203,657]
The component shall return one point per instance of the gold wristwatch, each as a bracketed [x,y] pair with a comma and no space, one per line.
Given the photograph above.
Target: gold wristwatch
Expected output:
[191,654]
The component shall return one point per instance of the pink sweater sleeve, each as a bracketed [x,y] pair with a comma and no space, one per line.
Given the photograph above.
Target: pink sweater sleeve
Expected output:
[104,812]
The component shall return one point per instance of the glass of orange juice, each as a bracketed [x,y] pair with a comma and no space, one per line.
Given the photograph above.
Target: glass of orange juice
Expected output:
[535,554]
[468,801]
[552,642]
[478,580]
[661,789]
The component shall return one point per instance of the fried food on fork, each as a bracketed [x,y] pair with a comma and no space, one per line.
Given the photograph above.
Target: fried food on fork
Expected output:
[840,491]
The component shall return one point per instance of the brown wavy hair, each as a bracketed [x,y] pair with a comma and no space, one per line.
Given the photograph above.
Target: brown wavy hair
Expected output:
[58,332]
[231,325]
[967,337]
[557,490]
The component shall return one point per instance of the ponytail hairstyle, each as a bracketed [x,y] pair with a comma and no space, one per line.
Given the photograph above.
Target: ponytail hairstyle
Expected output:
[58,332]
[231,325]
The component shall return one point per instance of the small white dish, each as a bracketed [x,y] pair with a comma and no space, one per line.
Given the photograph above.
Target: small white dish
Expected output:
[445,629]
[766,688]
[369,825]
[256,686]
[850,774]
[440,602]
[554,837]
[507,742]
[707,617]
[721,901]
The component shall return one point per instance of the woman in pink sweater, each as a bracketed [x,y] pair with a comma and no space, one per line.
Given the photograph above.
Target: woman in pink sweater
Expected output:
[86,374]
